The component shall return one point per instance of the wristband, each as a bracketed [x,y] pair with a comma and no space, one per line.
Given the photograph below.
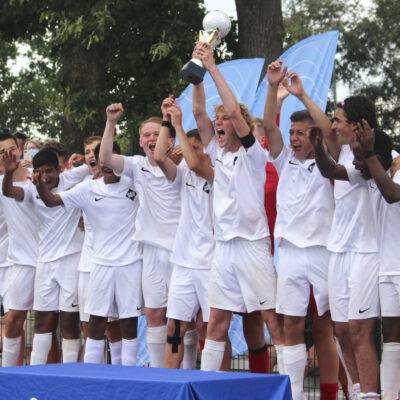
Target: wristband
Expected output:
[368,154]
[167,124]
[247,141]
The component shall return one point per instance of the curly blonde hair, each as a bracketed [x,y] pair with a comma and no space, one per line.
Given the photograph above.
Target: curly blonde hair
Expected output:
[244,110]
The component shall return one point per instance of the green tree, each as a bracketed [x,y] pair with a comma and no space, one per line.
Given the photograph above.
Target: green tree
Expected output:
[94,52]
[368,51]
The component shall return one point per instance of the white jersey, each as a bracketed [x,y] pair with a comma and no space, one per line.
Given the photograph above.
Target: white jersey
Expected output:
[22,227]
[194,242]
[353,227]
[86,260]
[305,202]
[388,233]
[239,192]
[159,203]
[59,234]
[3,241]
[111,210]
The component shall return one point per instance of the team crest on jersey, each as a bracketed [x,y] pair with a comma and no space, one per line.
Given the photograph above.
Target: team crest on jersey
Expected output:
[206,188]
[130,194]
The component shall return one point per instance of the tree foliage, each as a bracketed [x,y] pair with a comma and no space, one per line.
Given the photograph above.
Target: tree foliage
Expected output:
[368,51]
[94,52]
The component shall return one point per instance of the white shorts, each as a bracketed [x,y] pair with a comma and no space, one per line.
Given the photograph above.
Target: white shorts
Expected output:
[21,289]
[5,273]
[83,284]
[243,277]
[188,293]
[56,285]
[389,294]
[298,269]
[115,291]
[353,286]
[157,272]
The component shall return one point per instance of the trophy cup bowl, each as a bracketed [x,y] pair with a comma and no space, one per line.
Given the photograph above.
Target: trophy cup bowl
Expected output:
[217,25]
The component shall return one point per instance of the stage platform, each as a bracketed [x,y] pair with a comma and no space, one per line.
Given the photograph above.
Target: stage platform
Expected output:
[80,381]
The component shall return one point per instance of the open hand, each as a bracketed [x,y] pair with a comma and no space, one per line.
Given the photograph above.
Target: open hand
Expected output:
[275,72]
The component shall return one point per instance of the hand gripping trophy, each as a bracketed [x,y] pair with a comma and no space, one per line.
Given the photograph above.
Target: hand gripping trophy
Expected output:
[216,26]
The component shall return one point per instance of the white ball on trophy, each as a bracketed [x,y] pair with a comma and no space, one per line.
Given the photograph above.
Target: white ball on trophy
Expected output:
[217,20]
[217,25]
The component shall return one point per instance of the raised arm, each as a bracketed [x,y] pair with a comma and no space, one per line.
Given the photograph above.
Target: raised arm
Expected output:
[231,105]
[320,119]
[162,145]
[10,163]
[111,160]
[203,122]
[50,199]
[390,190]
[327,166]
[194,162]
[296,88]
[272,131]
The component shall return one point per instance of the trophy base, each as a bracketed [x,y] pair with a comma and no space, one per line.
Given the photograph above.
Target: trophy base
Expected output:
[192,73]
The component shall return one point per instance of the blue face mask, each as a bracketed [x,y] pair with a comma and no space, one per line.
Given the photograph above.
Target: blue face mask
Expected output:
[34,152]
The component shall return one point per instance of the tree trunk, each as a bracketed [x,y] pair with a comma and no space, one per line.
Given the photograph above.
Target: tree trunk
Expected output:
[260,27]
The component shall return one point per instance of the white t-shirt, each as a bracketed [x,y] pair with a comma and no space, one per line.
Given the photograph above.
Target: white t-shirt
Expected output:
[194,242]
[353,226]
[159,203]
[59,234]
[111,210]
[22,226]
[3,241]
[86,260]
[239,192]
[305,202]
[387,230]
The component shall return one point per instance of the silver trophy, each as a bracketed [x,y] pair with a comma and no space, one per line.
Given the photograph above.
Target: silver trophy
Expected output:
[216,26]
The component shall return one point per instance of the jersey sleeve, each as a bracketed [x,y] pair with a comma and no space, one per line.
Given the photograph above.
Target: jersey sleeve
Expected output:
[257,155]
[212,149]
[77,197]
[29,192]
[129,167]
[281,160]
[354,175]
[75,175]
[180,171]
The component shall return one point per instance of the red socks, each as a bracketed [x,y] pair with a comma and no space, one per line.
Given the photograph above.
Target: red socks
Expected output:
[259,360]
[328,391]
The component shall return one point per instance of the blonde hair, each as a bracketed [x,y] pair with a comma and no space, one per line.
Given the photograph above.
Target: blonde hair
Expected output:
[156,120]
[37,144]
[244,110]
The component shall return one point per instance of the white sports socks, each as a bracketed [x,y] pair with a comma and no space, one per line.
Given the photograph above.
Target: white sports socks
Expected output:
[40,348]
[279,358]
[212,355]
[129,351]
[115,350]
[70,349]
[94,351]
[11,348]
[295,359]
[390,371]
[156,339]
[190,341]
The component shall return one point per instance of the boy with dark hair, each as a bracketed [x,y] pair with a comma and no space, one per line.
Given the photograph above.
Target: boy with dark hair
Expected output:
[375,161]
[305,208]
[354,263]
[61,152]
[60,242]
[156,222]
[194,242]
[114,289]
[22,253]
